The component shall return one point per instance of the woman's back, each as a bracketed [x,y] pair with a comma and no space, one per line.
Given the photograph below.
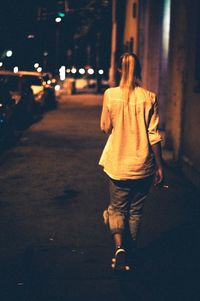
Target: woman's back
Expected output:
[127,153]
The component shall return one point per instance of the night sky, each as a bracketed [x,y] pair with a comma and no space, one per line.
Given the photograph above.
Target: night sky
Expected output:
[83,34]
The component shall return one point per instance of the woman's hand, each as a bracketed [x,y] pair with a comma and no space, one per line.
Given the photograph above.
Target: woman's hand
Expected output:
[159,177]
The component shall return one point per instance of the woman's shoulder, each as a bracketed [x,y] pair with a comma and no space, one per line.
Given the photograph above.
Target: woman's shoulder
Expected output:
[149,95]
[113,90]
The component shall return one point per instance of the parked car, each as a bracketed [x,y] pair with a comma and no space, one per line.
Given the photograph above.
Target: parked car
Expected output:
[7,105]
[18,107]
[42,88]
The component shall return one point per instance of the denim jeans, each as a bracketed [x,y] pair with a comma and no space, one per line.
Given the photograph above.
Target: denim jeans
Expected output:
[127,199]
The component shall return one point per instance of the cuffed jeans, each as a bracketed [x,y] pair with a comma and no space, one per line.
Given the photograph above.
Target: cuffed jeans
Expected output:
[127,199]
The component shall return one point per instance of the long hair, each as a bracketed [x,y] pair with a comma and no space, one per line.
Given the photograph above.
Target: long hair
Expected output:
[130,74]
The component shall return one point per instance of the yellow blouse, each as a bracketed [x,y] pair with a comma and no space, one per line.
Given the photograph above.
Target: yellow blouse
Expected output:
[133,128]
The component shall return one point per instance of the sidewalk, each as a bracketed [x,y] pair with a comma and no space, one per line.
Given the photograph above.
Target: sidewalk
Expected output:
[54,245]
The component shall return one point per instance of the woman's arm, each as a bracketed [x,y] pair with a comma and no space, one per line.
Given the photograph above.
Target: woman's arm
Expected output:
[155,142]
[105,123]
[159,174]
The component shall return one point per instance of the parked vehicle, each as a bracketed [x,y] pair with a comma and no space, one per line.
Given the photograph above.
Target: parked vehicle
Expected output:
[21,92]
[24,96]
[7,105]
[18,107]
[42,87]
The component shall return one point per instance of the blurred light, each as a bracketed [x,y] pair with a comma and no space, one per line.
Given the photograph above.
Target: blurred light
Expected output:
[101,71]
[15,69]
[44,83]
[62,72]
[61,14]
[49,82]
[36,65]
[73,70]
[9,53]
[39,69]
[87,67]
[58,19]
[57,87]
[53,80]
[45,53]
[68,70]
[166,28]
[90,71]
[81,71]
[30,36]
[1,64]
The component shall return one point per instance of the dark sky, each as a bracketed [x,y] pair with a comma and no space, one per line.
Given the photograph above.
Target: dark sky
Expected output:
[18,19]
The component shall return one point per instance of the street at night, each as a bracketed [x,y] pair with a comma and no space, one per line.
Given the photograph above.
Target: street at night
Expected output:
[99,150]
[54,245]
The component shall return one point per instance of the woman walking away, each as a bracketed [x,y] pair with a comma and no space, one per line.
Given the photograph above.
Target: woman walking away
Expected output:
[132,156]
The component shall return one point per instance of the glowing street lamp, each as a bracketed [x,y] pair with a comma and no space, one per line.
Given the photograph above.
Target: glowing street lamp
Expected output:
[62,73]
[101,71]
[58,19]
[73,70]
[36,65]
[15,69]
[57,87]
[81,71]
[9,53]
[90,71]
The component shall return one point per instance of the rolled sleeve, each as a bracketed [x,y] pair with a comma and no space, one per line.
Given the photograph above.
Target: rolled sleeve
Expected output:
[153,132]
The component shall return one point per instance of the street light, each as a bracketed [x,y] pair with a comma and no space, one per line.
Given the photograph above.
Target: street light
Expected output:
[101,71]
[15,69]
[58,19]
[36,65]
[90,71]
[62,72]
[81,71]
[73,70]
[9,53]
[57,44]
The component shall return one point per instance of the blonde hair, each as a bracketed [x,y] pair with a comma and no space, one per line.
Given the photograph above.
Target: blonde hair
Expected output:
[130,73]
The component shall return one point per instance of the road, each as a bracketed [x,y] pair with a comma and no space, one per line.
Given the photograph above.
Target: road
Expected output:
[54,245]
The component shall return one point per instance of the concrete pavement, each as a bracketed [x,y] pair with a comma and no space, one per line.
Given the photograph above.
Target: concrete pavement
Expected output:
[54,245]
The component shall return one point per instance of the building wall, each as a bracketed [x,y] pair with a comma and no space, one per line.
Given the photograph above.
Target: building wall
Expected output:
[168,48]
[130,40]
[151,50]
[166,36]
[117,47]
[178,56]
[190,138]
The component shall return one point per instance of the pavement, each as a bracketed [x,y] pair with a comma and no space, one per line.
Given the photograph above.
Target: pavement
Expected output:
[54,245]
